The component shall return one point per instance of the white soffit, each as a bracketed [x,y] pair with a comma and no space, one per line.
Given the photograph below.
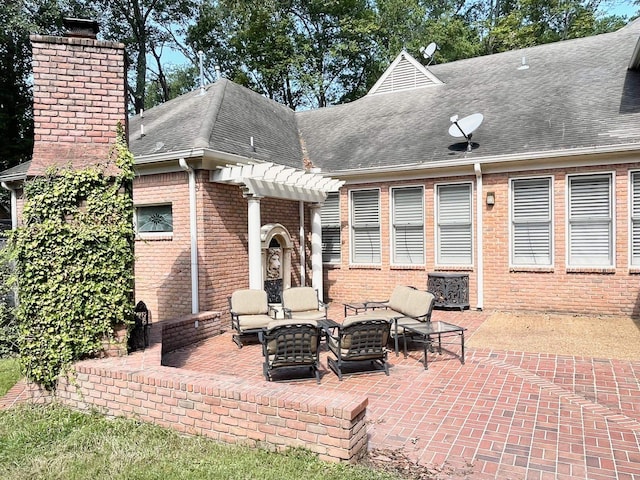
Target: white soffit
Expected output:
[277,181]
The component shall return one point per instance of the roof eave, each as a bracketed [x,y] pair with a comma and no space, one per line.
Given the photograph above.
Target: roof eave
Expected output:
[495,162]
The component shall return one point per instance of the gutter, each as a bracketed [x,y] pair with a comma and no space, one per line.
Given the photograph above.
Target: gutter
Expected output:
[193,231]
[479,237]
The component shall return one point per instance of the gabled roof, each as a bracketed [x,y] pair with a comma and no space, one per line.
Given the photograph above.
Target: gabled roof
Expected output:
[226,118]
[404,73]
[576,96]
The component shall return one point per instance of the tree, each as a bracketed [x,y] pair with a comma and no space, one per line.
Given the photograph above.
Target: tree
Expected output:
[145,27]
[524,23]
[302,53]
[177,81]
[19,19]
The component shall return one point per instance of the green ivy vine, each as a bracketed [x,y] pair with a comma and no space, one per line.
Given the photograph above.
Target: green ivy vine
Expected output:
[74,263]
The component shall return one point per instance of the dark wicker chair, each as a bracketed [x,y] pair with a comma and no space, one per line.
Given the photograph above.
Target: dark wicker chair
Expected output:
[287,344]
[358,340]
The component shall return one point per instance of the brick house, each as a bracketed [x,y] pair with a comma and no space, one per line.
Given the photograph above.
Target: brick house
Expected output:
[538,210]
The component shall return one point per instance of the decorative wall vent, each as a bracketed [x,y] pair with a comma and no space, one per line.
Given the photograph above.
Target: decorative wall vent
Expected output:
[404,73]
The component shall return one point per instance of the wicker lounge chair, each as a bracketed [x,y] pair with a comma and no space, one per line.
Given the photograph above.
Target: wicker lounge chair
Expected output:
[287,344]
[358,340]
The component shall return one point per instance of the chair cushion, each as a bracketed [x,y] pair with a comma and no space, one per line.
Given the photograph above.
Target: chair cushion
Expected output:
[300,299]
[399,297]
[418,303]
[289,321]
[308,315]
[250,322]
[249,302]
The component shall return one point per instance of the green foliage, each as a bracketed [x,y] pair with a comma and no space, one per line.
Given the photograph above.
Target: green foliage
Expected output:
[74,264]
[9,374]
[8,324]
[57,443]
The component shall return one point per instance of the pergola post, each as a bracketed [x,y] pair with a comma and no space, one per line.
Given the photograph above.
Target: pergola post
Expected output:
[254,247]
[316,249]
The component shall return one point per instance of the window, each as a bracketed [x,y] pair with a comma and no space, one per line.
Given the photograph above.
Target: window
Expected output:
[156,219]
[408,225]
[330,217]
[531,238]
[454,237]
[365,226]
[635,219]
[590,221]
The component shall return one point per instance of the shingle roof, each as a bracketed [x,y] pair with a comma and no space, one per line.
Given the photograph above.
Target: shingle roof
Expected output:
[224,118]
[575,94]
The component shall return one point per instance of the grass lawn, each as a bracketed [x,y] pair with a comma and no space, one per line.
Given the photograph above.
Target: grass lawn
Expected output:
[9,374]
[57,443]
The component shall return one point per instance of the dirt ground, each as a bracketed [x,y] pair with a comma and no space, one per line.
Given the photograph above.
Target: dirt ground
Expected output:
[578,335]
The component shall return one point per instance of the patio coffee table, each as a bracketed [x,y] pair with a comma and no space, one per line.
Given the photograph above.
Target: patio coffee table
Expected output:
[428,330]
[366,305]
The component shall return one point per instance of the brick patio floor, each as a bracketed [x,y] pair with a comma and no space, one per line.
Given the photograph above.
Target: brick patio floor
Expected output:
[506,415]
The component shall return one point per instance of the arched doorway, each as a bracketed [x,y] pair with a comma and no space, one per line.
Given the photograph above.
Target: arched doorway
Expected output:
[276,260]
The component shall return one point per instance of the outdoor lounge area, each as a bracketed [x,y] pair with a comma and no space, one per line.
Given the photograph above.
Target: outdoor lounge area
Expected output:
[503,414]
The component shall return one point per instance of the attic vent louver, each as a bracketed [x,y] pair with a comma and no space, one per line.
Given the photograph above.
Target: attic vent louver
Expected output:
[404,73]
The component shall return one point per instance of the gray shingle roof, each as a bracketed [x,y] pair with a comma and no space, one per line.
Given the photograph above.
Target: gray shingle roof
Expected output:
[575,94]
[224,119]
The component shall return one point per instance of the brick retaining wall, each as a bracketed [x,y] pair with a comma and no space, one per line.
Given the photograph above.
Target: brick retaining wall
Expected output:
[226,408]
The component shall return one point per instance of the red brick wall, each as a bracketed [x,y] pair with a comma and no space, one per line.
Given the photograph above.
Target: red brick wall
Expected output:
[163,265]
[614,291]
[79,97]
[224,262]
[346,283]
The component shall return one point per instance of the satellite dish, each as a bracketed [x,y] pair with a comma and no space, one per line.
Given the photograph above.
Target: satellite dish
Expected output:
[428,51]
[465,127]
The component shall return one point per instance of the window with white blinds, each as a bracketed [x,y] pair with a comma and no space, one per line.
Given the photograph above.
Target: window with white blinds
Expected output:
[635,219]
[590,221]
[454,239]
[330,219]
[408,225]
[365,226]
[531,237]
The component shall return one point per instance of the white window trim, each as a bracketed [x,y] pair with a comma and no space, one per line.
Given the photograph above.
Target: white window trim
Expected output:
[631,173]
[436,219]
[552,232]
[567,227]
[151,235]
[339,231]
[351,238]
[392,229]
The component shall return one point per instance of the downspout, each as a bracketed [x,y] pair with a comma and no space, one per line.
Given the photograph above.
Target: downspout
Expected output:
[303,256]
[14,205]
[193,230]
[479,236]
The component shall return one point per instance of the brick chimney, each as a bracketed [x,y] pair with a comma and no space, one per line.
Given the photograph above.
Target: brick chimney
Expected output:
[79,96]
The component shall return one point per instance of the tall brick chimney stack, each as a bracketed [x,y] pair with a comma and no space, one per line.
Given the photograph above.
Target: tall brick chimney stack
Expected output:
[79,96]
